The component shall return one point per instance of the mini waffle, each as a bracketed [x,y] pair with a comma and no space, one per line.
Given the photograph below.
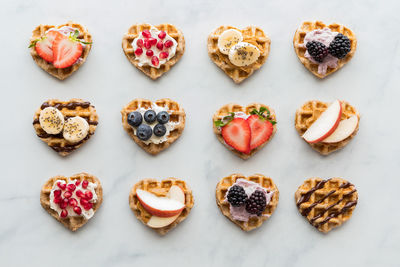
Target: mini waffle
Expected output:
[71,108]
[61,74]
[251,34]
[224,206]
[326,203]
[310,112]
[177,115]
[160,189]
[226,109]
[74,222]
[300,49]
[152,72]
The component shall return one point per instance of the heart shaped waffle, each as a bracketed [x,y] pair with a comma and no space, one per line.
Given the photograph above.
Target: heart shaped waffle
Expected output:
[251,34]
[72,222]
[326,203]
[300,49]
[71,108]
[310,112]
[150,71]
[226,110]
[160,188]
[177,116]
[253,222]
[64,73]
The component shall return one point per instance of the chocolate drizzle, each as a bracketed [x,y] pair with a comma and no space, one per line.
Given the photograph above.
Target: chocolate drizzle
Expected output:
[306,196]
[70,105]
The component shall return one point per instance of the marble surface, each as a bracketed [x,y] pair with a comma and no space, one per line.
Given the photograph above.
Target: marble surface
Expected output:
[114,237]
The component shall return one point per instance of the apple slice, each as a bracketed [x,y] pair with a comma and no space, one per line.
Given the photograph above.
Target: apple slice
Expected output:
[159,206]
[176,192]
[344,130]
[325,125]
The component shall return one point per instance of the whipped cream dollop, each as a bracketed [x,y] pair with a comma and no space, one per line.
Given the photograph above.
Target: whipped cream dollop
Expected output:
[85,213]
[240,213]
[324,36]
[170,125]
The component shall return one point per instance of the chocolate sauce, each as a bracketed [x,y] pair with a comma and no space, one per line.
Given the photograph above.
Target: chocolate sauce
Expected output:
[337,213]
[307,210]
[69,148]
[306,196]
[70,105]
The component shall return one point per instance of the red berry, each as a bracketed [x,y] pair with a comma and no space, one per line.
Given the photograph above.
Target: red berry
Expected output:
[79,193]
[67,194]
[139,43]
[237,134]
[168,43]
[138,51]
[66,51]
[88,206]
[71,187]
[64,213]
[78,182]
[72,202]
[57,200]
[160,45]
[83,202]
[61,185]
[88,195]
[164,55]
[162,34]
[85,184]
[146,34]
[57,193]
[261,131]
[77,210]
[149,53]
[147,44]
[152,41]
[63,204]
[155,61]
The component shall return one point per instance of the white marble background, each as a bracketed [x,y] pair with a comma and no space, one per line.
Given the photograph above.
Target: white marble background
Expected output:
[114,237]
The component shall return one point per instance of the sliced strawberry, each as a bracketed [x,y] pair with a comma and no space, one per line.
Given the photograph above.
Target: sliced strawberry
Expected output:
[261,130]
[237,135]
[52,35]
[44,50]
[66,51]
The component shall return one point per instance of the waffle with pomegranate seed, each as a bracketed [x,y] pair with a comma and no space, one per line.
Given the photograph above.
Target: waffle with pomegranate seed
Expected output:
[254,222]
[177,115]
[300,49]
[61,74]
[226,109]
[71,108]
[150,71]
[160,189]
[73,222]
[310,112]
[251,34]
[326,203]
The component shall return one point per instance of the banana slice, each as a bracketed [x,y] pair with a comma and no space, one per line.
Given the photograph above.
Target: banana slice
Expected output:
[51,120]
[243,54]
[227,39]
[75,129]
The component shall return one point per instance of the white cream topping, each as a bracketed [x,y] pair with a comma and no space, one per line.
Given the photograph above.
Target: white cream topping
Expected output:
[71,213]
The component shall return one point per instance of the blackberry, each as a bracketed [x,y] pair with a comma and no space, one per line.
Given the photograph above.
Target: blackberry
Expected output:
[317,50]
[340,46]
[236,196]
[256,203]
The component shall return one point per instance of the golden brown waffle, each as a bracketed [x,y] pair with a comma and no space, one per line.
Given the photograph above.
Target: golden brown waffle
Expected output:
[71,108]
[224,206]
[177,115]
[326,203]
[299,46]
[310,112]
[74,222]
[160,189]
[61,74]
[152,72]
[251,34]
[226,109]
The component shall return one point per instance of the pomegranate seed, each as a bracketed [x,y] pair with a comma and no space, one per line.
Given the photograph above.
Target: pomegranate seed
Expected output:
[71,187]
[63,204]
[168,43]
[164,55]
[139,43]
[152,41]
[57,200]
[138,51]
[77,210]
[67,194]
[162,34]
[72,202]
[64,213]
[61,186]
[149,53]
[57,193]
[78,182]
[79,193]
[155,61]
[88,206]
[85,184]
[88,195]
[147,44]
[146,34]
[83,202]
[160,45]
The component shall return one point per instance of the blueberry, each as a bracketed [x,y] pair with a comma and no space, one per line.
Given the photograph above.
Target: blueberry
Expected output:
[144,132]
[159,130]
[135,119]
[163,117]
[150,116]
